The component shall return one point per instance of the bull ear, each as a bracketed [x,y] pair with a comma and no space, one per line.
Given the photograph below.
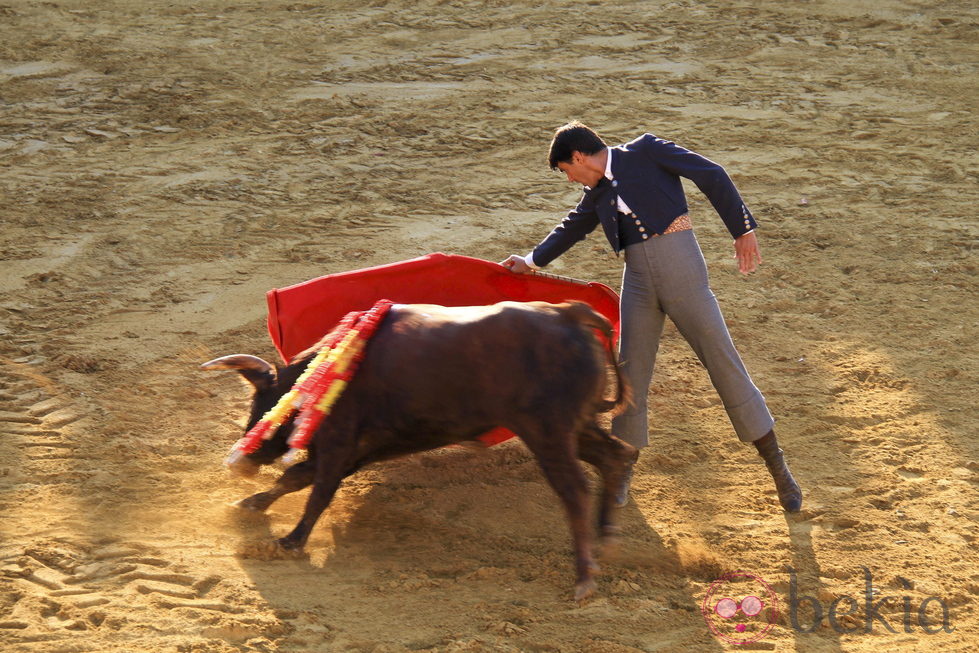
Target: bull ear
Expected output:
[255,370]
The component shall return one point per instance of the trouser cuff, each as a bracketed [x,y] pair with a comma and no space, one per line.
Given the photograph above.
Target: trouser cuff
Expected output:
[751,419]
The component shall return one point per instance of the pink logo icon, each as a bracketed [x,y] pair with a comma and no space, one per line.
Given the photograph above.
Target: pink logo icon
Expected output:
[740,608]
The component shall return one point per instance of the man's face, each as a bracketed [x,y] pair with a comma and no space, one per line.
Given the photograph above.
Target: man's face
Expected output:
[580,170]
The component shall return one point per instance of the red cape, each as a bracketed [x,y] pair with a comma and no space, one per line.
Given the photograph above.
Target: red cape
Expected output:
[300,315]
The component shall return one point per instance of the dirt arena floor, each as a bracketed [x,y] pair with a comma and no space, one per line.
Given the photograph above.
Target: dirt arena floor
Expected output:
[163,164]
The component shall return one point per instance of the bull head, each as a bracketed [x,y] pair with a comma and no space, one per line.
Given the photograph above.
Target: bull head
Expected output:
[264,379]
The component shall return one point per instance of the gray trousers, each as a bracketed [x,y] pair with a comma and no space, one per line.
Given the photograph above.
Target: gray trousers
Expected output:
[664,276]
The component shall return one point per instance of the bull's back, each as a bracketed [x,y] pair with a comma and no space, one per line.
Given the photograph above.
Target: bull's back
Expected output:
[481,362]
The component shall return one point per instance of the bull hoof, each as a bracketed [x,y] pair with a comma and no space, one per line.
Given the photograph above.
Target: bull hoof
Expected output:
[290,548]
[609,545]
[270,550]
[584,590]
[251,504]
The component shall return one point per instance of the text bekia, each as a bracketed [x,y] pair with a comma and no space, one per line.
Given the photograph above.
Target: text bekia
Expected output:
[846,605]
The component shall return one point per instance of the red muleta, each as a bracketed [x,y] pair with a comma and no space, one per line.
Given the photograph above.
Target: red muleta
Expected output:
[300,315]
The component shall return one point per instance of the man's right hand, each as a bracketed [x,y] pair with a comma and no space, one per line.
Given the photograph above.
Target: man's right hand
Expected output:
[516,263]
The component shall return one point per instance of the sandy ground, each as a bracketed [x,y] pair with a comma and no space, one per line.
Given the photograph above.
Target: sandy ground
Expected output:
[164,164]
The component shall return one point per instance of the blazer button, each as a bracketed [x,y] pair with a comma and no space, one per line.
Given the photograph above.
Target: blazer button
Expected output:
[615,183]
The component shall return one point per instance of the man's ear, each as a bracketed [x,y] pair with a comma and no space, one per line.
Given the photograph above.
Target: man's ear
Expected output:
[577,157]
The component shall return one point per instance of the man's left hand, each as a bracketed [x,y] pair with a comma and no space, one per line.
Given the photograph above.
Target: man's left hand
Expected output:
[747,252]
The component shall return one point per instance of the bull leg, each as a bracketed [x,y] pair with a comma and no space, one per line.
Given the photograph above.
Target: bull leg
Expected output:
[611,457]
[293,479]
[331,467]
[568,480]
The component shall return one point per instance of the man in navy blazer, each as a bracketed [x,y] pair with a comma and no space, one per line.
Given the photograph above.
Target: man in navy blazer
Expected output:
[634,192]
[647,177]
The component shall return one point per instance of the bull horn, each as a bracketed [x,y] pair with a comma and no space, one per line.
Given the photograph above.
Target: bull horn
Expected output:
[255,370]
[238,362]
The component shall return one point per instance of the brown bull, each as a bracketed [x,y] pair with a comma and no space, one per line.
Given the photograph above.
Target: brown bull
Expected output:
[432,376]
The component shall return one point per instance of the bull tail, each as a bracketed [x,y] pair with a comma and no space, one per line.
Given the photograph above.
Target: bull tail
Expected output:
[587,316]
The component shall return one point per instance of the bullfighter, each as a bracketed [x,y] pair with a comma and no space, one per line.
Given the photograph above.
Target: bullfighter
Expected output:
[634,192]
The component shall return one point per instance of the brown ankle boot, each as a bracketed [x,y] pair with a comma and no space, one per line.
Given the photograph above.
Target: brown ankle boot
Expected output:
[622,493]
[789,492]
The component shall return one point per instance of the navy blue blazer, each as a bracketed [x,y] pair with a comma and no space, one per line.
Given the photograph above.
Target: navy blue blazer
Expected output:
[647,175]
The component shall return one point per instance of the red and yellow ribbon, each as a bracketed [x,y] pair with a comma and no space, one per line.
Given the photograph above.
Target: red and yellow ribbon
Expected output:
[321,383]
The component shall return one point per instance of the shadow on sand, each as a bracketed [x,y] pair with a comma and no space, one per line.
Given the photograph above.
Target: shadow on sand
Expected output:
[481,540]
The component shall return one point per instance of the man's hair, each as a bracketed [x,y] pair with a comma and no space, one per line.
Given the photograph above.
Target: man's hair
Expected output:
[573,137]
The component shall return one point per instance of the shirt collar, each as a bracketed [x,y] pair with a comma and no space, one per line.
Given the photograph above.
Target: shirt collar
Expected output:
[608,168]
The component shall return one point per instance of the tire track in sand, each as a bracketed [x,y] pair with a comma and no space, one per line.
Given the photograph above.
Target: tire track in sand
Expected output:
[55,588]
[51,588]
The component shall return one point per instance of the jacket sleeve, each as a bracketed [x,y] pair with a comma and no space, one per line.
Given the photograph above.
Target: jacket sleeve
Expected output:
[579,223]
[712,180]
